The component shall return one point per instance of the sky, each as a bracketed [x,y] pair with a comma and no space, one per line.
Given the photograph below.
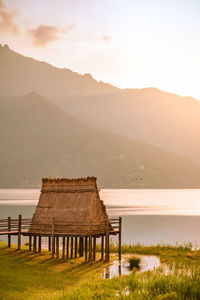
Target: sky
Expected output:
[128,43]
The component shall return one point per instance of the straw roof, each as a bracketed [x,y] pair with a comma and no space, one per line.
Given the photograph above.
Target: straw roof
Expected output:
[69,207]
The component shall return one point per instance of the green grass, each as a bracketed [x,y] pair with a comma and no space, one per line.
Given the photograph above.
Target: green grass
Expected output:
[26,275]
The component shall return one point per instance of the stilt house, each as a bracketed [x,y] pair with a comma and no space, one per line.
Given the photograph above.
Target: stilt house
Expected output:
[72,209]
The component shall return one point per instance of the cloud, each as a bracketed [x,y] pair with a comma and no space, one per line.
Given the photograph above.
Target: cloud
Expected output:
[106,38]
[7,23]
[45,34]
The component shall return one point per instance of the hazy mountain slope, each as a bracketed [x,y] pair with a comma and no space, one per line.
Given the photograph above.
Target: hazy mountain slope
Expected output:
[162,119]
[26,75]
[39,139]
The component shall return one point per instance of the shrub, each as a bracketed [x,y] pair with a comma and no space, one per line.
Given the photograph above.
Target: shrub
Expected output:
[134,262]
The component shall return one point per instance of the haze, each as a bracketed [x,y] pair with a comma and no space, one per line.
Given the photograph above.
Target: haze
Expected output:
[133,44]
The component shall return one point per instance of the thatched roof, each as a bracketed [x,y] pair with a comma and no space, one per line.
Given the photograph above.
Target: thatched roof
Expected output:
[69,206]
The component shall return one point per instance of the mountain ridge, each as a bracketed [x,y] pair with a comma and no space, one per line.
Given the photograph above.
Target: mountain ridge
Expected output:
[41,140]
[119,132]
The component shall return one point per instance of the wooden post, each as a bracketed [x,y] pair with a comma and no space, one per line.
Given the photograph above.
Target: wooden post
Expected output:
[53,246]
[81,240]
[9,229]
[79,247]
[107,256]
[30,243]
[35,243]
[57,247]
[49,243]
[19,231]
[86,248]
[53,238]
[67,246]
[76,246]
[72,241]
[102,247]
[120,238]
[90,243]
[63,249]
[94,248]
[39,244]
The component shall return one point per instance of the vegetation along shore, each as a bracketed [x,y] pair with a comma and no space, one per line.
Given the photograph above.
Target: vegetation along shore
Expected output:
[25,275]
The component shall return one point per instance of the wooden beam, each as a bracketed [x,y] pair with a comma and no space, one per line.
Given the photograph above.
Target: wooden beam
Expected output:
[67,246]
[35,243]
[72,246]
[49,243]
[120,238]
[86,248]
[19,231]
[63,249]
[57,247]
[76,246]
[81,246]
[30,243]
[53,246]
[53,238]
[102,247]
[94,248]
[90,243]
[39,244]
[107,258]
[9,229]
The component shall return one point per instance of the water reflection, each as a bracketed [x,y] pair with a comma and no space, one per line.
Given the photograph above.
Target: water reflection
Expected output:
[117,269]
[120,268]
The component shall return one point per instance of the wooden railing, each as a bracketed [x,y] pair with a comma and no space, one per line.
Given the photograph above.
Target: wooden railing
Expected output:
[12,226]
[18,227]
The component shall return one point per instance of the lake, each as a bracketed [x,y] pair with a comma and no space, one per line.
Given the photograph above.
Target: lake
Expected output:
[148,216]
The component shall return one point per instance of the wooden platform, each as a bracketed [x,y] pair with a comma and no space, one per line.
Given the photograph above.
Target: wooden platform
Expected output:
[73,244]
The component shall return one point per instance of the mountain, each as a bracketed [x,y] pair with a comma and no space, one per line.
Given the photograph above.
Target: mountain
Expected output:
[165,120]
[162,119]
[27,75]
[38,139]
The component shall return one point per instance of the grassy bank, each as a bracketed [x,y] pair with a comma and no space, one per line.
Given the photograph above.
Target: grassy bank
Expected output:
[25,275]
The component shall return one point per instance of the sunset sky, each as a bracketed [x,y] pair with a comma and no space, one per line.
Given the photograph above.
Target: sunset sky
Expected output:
[128,43]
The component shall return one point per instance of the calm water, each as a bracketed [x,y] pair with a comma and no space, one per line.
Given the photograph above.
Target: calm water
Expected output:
[149,216]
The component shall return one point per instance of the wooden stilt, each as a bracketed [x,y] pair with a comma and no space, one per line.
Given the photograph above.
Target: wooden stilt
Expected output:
[57,247]
[67,246]
[63,249]
[9,229]
[53,246]
[35,243]
[76,246]
[19,231]
[39,244]
[90,243]
[86,248]
[94,248]
[49,243]
[120,238]
[102,247]
[107,258]
[30,243]
[72,246]
[53,238]
[81,247]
